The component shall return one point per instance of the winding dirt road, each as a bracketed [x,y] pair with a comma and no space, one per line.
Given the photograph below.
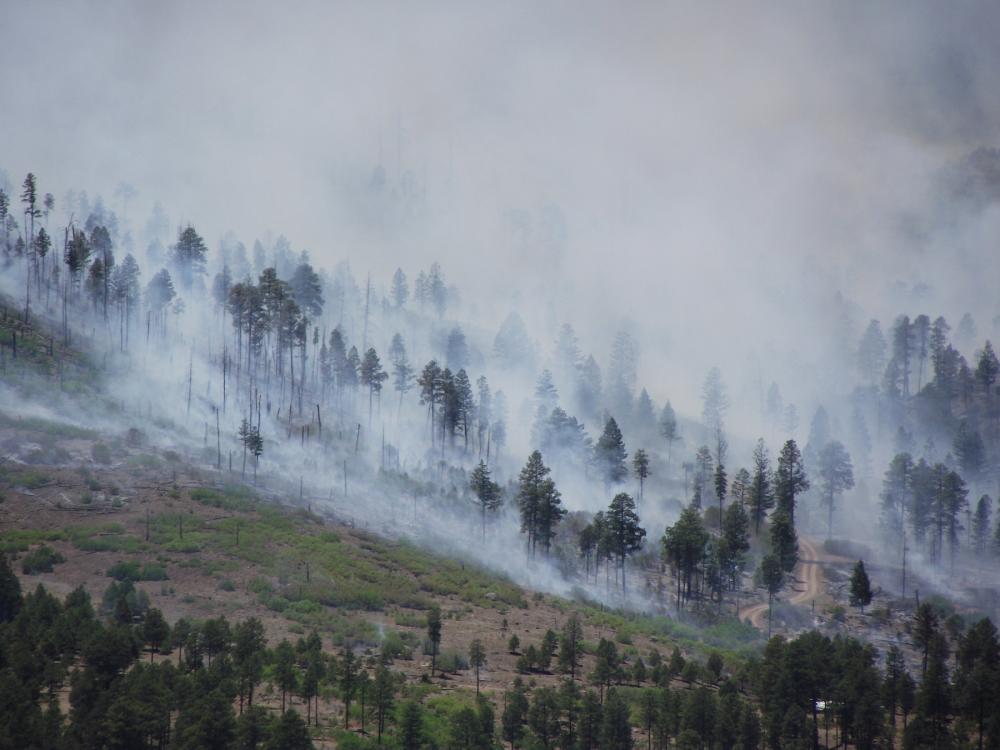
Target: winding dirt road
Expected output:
[808,578]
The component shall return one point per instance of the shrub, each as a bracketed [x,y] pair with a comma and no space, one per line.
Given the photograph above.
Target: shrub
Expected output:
[131,570]
[40,560]
[394,647]
[101,453]
[153,572]
[452,661]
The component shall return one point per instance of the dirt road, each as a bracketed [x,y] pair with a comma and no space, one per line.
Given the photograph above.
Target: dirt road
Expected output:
[808,583]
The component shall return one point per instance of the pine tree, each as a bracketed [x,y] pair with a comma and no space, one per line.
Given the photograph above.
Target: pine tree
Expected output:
[477,658]
[640,464]
[487,492]
[372,376]
[589,723]
[837,475]
[570,646]
[539,504]
[348,674]
[456,350]
[735,541]
[624,533]
[430,391]
[773,577]
[976,677]
[616,729]
[248,657]
[784,540]
[683,548]
[383,698]
[411,727]
[515,714]
[10,591]
[715,405]
[981,524]
[925,629]
[895,668]
[155,631]
[969,450]
[402,372]
[987,370]
[668,428]
[434,634]
[189,256]
[934,701]
[761,493]
[720,487]
[285,674]
[790,478]
[861,587]
[289,733]
[307,290]
[607,666]
[610,453]
[703,472]
[400,289]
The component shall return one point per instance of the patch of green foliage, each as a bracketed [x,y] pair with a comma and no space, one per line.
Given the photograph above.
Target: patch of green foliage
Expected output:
[41,560]
[132,570]
[230,497]
[28,478]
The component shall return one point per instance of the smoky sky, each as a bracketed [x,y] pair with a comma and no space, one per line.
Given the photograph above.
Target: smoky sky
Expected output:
[740,184]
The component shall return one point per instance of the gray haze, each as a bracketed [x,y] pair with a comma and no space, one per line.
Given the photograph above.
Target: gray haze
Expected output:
[723,177]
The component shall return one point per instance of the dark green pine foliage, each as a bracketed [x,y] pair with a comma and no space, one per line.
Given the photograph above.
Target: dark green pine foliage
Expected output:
[837,475]
[861,587]
[539,503]
[616,729]
[683,549]
[784,540]
[487,492]
[434,634]
[760,495]
[411,729]
[610,453]
[790,478]
[189,256]
[514,718]
[625,535]
[10,591]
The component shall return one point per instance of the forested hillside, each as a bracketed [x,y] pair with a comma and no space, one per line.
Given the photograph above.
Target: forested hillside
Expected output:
[542,376]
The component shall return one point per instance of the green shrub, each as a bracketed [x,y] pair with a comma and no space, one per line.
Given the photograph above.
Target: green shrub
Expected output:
[40,560]
[153,572]
[131,570]
[410,620]
[452,661]
[394,647]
